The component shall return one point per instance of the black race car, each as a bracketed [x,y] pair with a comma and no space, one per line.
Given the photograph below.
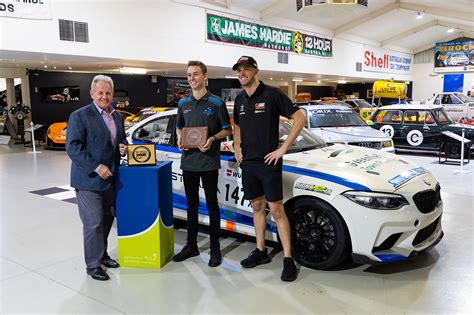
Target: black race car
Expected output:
[421,127]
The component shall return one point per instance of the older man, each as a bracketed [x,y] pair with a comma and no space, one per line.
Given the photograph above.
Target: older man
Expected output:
[94,139]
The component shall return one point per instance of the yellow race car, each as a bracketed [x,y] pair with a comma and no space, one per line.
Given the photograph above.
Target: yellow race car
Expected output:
[56,134]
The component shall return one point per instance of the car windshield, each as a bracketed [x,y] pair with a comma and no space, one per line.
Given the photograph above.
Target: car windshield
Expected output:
[463,97]
[441,116]
[305,140]
[363,103]
[144,113]
[334,118]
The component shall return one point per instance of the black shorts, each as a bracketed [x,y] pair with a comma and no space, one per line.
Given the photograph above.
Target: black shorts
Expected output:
[262,180]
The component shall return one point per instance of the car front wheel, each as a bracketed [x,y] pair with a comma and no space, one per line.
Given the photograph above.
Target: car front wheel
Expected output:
[454,151]
[319,236]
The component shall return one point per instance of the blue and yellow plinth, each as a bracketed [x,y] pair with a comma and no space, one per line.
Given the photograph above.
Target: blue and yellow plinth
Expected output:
[145,215]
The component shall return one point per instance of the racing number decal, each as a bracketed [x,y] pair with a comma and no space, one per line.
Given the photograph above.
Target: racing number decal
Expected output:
[415,137]
[236,194]
[388,130]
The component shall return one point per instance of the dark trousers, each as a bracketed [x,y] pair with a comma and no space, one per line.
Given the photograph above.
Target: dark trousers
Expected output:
[191,187]
[97,211]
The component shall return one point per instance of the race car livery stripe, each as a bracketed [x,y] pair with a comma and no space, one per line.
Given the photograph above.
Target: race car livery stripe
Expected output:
[390,257]
[179,201]
[326,177]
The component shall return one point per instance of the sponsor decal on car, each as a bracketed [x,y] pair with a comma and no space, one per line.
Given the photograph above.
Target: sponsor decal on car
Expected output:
[404,177]
[315,188]
[336,153]
[232,173]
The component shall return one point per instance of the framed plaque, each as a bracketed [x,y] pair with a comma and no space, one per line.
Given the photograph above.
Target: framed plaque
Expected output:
[193,137]
[141,154]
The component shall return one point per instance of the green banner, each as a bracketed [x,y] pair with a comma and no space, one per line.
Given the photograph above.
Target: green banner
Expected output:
[226,30]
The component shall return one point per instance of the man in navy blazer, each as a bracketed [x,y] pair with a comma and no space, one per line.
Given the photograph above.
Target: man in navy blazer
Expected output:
[94,141]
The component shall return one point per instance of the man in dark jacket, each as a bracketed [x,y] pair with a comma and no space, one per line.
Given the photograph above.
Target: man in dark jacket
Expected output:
[94,142]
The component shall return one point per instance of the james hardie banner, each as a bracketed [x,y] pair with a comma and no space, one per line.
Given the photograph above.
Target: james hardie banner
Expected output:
[226,30]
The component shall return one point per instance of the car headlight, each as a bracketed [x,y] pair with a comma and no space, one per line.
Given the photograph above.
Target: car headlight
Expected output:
[375,200]
[387,144]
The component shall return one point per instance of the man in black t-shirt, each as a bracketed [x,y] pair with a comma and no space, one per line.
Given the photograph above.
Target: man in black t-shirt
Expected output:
[202,109]
[257,113]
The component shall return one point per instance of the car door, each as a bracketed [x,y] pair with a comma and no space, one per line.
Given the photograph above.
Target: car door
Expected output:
[419,130]
[236,212]
[390,123]
[451,106]
[162,133]
[459,107]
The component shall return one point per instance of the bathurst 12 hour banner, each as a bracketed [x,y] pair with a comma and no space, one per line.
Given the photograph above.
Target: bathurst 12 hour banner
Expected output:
[238,32]
[26,9]
[456,56]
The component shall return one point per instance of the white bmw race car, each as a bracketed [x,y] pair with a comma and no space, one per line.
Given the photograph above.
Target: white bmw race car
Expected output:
[340,200]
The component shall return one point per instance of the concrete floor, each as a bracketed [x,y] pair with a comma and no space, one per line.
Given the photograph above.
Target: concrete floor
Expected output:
[42,268]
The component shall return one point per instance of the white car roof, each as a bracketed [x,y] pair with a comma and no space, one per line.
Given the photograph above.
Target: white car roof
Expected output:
[325,106]
[410,106]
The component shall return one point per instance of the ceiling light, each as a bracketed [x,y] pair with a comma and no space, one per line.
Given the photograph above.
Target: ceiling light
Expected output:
[271,79]
[70,68]
[319,81]
[54,67]
[231,77]
[419,16]
[45,66]
[450,30]
[341,82]
[297,80]
[132,70]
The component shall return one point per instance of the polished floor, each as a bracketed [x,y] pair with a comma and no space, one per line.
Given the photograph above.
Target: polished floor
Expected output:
[42,268]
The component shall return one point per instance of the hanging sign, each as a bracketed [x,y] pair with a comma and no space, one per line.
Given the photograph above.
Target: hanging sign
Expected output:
[376,59]
[457,56]
[26,9]
[245,33]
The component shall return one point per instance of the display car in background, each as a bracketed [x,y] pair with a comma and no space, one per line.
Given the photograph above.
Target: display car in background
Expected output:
[340,199]
[419,127]
[339,124]
[457,105]
[142,114]
[364,108]
[56,133]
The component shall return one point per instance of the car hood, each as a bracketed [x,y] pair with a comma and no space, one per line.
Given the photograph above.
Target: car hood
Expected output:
[457,128]
[357,168]
[350,134]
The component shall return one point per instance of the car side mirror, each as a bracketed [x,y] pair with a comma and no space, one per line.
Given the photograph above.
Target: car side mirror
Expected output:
[369,122]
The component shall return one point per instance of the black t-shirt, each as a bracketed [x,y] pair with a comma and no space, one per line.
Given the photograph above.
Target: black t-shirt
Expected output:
[208,111]
[258,117]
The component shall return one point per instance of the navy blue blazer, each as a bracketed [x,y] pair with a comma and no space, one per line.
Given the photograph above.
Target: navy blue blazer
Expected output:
[88,144]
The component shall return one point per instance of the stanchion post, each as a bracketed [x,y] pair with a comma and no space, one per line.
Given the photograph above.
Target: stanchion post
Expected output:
[33,136]
[462,150]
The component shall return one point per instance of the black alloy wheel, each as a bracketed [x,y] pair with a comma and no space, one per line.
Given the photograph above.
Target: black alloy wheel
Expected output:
[319,236]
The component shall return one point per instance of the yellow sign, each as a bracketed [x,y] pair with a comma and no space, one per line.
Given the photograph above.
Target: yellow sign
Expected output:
[141,154]
[389,89]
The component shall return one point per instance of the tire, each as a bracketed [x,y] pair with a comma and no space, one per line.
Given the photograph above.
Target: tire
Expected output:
[319,236]
[453,151]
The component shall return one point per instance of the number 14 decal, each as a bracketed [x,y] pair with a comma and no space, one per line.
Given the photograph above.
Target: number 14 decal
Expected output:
[237,194]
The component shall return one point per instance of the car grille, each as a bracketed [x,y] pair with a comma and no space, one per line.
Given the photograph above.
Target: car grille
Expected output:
[427,200]
[426,232]
[373,145]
